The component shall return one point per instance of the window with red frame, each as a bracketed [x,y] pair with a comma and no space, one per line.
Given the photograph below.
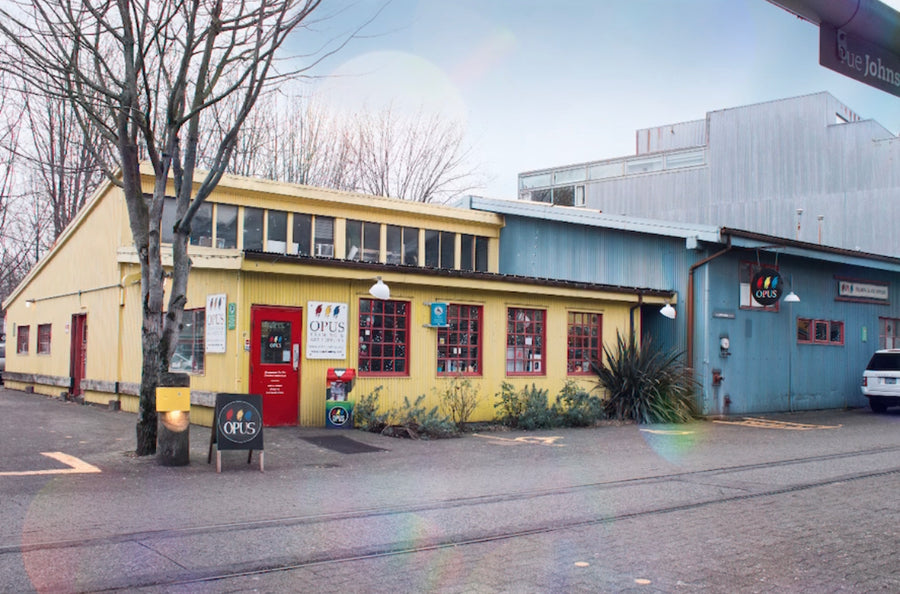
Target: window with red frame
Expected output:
[383,337]
[820,332]
[525,339]
[584,335]
[459,344]
[43,341]
[22,340]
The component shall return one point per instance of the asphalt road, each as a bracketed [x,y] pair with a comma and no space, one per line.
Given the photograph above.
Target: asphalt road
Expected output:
[804,502]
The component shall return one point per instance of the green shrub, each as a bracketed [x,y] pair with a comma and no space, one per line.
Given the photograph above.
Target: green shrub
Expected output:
[575,407]
[430,423]
[459,400]
[645,384]
[366,415]
[525,409]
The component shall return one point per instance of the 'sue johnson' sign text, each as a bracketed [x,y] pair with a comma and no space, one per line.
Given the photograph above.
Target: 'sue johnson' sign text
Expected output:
[855,290]
[858,59]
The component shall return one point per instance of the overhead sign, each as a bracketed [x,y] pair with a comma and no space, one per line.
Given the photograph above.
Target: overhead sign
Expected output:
[326,330]
[765,287]
[215,323]
[859,59]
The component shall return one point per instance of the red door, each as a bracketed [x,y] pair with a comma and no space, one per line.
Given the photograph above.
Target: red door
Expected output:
[78,360]
[275,361]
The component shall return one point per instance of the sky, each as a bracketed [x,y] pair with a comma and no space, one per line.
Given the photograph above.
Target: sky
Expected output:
[543,84]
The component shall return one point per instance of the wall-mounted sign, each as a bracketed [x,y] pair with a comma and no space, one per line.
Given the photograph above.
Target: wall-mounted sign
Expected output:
[232,315]
[858,59]
[326,330]
[851,290]
[765,287]
[438,314]
[215,323]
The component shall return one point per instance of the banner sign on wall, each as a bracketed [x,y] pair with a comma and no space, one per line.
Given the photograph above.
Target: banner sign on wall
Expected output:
[326,330]
[438,315]
[215,323]
[850,290]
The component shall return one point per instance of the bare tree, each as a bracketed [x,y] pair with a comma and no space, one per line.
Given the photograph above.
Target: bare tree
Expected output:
[142,74]
[62,158]
[417,157]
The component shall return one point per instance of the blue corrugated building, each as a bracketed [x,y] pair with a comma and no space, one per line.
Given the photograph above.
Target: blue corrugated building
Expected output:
[748,357]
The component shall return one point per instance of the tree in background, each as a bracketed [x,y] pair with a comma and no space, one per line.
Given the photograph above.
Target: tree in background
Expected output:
[419,157]
[143,76]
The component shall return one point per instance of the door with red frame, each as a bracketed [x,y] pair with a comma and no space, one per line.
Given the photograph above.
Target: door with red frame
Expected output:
[275,361]
[78,352]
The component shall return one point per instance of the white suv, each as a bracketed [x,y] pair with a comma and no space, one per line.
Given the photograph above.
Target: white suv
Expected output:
[881,380]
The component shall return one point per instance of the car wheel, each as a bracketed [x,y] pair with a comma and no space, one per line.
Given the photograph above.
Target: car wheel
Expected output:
[877,405]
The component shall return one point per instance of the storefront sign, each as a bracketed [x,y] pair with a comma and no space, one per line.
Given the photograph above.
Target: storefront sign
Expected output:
[239,423]
[858,59]
[856,291]
[215,323]
[438,314]
[765,287]
[326,330]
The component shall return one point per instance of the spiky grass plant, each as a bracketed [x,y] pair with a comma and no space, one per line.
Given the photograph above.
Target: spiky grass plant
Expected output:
[644,384]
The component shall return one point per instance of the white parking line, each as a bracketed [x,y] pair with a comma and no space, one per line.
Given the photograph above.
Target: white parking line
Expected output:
[76,466]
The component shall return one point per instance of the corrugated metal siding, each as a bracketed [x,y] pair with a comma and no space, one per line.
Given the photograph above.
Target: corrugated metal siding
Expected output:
[763,163]
[271,289]
[671,137]
[768,370]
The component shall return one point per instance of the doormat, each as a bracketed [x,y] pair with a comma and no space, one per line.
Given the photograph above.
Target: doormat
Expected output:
[342,444]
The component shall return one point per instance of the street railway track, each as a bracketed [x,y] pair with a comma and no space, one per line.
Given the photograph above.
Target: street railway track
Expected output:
[405,548]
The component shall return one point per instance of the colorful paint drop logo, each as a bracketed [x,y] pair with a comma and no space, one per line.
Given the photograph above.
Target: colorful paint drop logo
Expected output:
[766,287]
[239,421]
[338,416]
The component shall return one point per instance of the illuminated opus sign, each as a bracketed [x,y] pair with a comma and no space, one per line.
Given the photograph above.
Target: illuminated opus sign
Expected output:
[858,59]
[766,286]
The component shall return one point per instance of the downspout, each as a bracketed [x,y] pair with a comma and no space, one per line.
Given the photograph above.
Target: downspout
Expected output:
[634,307]
[690,300]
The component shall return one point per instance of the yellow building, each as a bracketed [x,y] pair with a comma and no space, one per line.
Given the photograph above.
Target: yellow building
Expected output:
[279,293]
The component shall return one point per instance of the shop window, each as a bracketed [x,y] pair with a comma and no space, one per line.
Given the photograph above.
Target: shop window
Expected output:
[440,249]
[459,344]
[43,341]
[525,339]
[276,232]
[167,223]
[747,270]
[584,339]
[253,228]
[302,234]
[888,336]
[22,340]
[432,248]
[202,225]
[226,226]
[190,346]
[820,332]
[473,253]
[324,237]
[383,337]
[402,245]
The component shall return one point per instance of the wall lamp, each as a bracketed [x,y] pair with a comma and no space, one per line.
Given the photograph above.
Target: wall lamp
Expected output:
[380,290]
[668,311]
[29,302]
[791,298]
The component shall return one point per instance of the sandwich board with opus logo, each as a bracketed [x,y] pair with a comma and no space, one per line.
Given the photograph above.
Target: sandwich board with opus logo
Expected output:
[237,425]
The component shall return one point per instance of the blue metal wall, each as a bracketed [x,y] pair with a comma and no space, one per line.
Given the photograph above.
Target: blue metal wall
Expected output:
[768,370]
